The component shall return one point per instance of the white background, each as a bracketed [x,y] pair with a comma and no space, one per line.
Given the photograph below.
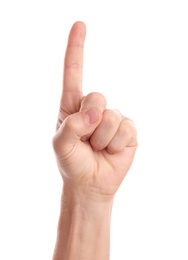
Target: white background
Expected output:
[136,54]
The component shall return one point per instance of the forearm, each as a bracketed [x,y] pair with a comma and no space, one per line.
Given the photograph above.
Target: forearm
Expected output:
[83,229]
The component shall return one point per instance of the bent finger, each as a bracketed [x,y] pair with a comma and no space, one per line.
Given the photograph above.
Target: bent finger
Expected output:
[124,137]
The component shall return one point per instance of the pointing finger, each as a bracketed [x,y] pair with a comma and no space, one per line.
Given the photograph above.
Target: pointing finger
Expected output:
[73,65]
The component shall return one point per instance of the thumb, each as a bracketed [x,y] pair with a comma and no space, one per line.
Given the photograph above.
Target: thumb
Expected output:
[75,126]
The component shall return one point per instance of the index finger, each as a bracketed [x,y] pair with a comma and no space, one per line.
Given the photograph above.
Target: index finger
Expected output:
[73,64]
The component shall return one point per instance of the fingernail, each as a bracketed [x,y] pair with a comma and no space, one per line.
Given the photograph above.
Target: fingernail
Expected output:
[92,116]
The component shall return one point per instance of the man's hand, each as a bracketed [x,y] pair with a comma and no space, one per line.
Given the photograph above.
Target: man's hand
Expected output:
[94,146]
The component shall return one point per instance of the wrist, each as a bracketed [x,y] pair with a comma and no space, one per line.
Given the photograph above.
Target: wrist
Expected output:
[86,197]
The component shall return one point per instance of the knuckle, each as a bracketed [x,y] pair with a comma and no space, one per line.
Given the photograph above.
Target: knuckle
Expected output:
[94,99]
[129,126]
[96,95]
[96,143]
[129,130]
[111,116]
[73,65]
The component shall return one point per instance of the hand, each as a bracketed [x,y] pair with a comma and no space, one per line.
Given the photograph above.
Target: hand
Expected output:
[94,146]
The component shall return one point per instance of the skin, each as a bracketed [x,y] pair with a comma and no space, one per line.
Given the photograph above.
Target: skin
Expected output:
[94,149]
